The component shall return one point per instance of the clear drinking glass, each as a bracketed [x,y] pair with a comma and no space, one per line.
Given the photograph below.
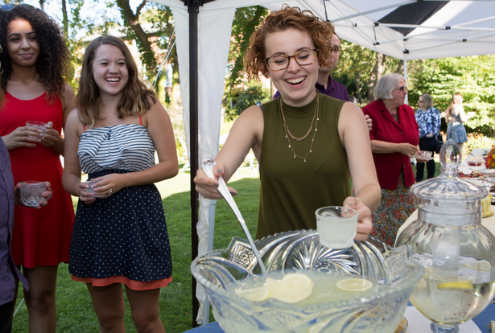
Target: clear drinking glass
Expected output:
[31,193]
[91,186]
[336,226]
[36,125]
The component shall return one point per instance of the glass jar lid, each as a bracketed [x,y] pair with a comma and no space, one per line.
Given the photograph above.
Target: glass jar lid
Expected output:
[448,186]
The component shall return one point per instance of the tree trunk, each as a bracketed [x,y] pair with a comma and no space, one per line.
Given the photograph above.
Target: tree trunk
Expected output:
[376,74]
[401,67]
[41,5]
[132,20]
[358,88]
[65,18]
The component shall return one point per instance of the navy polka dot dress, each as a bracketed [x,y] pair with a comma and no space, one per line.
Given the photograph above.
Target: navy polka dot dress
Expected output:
[124,234]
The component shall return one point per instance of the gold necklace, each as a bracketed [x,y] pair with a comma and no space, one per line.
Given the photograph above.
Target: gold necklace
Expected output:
[288,133]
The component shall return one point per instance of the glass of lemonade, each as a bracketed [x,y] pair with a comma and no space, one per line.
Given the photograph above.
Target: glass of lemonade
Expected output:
[336,226]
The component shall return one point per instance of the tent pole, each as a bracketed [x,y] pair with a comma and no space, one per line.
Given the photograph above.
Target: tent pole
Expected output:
[193,10]
[406,79]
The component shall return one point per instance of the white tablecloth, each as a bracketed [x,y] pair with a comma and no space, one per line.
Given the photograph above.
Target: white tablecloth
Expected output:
[466,168]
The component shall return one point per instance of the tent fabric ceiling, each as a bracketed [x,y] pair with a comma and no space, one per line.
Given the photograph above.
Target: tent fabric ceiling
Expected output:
[414,13]
[453,28]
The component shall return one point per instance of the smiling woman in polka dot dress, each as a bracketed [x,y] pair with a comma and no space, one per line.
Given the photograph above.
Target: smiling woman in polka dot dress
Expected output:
[120,235]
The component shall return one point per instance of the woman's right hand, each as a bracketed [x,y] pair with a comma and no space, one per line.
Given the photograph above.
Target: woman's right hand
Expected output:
[85,196]
[23,136]
[408,149]
[207,187]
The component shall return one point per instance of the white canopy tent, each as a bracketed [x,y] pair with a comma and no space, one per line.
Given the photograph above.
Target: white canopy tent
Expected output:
[404,29]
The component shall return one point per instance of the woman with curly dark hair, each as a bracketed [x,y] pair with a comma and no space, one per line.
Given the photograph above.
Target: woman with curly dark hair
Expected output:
[34,62]
[301,173]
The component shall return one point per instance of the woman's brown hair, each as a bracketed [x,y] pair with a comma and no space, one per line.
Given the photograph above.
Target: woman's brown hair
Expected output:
[135,99]
[287,18]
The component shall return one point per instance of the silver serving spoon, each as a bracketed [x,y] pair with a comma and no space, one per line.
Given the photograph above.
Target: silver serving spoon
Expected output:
[208,166]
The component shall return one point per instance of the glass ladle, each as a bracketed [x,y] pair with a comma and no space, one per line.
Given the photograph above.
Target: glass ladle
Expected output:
[208,165]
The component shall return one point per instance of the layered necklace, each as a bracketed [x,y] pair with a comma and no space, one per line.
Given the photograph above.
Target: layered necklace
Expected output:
[289,134]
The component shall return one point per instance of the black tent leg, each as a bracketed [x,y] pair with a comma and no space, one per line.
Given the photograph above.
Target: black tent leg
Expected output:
[193,10]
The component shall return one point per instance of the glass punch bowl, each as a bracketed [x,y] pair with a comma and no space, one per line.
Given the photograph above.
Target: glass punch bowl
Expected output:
[299,251]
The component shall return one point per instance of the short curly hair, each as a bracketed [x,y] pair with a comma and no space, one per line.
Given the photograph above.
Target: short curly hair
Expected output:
[287,18]
[386,84]
[52,63]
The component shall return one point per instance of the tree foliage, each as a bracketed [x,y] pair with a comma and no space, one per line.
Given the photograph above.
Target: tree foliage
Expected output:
[156,15]
[72,24]
[245,98]
[246,20]
[359,69]
[473,77]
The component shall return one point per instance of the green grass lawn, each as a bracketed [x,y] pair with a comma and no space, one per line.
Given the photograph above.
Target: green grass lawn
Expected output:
[74,306]
[436,173]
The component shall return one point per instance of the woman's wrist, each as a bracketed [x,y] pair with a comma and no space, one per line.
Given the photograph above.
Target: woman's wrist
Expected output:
[123,179]
[359,200]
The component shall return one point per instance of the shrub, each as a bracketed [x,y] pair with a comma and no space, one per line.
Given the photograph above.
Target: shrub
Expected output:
[477,141]
[244,98]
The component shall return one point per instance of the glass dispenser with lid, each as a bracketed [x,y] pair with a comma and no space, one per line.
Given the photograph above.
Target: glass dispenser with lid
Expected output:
[458,253]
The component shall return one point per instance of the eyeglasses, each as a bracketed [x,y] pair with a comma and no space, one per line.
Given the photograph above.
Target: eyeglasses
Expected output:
[402,88]
[280,62]
[10,6]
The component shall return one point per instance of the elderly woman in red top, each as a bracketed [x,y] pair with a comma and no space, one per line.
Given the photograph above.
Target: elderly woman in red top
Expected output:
[394,138]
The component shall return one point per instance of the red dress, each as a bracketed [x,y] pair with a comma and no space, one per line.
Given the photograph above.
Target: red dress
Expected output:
[40,237]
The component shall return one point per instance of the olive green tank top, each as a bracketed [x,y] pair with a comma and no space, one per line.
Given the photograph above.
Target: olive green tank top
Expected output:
[291,190]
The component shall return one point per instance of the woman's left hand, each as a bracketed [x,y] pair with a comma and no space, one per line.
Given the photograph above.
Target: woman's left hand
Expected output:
[108,185]
[50,135]
[45,195]
[365,225]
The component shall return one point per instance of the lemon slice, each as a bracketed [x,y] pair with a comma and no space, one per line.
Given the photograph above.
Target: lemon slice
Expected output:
[354,284]
[296,282]
[291,289]
[481,266]
[457,285]
[254,294]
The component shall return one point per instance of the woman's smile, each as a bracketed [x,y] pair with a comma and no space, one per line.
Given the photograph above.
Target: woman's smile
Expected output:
[22,45]
[296,83]
[110,70]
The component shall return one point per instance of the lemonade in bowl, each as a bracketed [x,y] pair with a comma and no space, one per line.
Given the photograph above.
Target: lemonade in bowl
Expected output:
[310,288]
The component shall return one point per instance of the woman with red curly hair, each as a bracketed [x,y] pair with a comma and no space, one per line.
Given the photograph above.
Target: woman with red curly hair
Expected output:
[34,63]
[306,143]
